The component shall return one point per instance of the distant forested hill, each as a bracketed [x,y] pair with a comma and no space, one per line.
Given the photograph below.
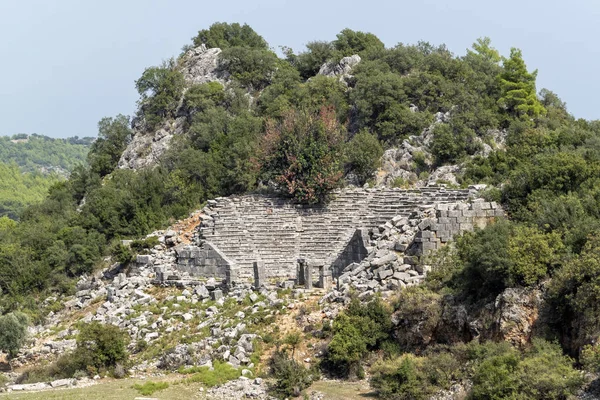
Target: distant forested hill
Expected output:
[19,189]
[30,164]
[41,153]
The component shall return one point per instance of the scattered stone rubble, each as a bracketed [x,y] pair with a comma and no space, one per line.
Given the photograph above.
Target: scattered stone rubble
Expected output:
[396,248]
[242,388]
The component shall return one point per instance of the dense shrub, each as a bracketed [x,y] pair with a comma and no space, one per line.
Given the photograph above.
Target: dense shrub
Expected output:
[224,36]
[302,154]
[252,68]
[160,89]
[362,327]
[291,377]
[504,255]
[100,346]
[363,155]
[13,331]
[496,370]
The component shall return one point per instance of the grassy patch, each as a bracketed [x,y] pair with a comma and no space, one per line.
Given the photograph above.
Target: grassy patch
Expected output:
[149,388]
[221,373]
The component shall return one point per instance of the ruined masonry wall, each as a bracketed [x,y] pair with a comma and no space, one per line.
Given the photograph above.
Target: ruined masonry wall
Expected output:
[278,232]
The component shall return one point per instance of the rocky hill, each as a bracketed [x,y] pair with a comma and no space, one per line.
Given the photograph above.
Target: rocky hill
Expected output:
[405,215]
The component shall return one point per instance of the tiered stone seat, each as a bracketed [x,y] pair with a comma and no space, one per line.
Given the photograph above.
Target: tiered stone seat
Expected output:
[278,232]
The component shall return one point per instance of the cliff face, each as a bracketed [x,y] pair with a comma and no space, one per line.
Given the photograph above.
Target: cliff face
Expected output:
[199,65]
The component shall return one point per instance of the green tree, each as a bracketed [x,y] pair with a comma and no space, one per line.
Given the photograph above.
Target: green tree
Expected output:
[363,155]
[160,90]
[101,346]
[13,331]
[302,154]
[309,62]
[349,42]
[114,135]
[251,67]
[518,97]
[224,36]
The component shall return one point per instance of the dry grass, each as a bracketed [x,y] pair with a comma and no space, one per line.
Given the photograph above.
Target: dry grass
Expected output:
[115,390]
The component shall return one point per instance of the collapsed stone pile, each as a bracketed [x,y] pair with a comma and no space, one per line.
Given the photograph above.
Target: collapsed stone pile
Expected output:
[395,249]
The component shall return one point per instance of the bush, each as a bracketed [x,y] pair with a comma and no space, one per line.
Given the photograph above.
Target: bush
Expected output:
[292,378]
[400,379]
[220,374]
[503,255]
[542,372]
[302,154]
[99,346]
[140,245]
[160,89]
[224,36]
[149,388]
[13,331]
[362,327]
[363,155]
[417,307]
[252,68]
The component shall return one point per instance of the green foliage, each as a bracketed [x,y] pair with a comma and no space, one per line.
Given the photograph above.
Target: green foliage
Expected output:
[203,97]
[504,255]
[150,387]
[399,379]
[575,298]
[101,346]
[13,331]
[160,89]
[141,245]
[519,98]
[252,68]
[21,189]
[360,328]
[224,36]
[349,42]
[363,155]
[417,305]
[451,142]
[37,153]
[309,62]
[541,373]
[291,377]
[220,374]
[302,154]
[496,370]
[113,137]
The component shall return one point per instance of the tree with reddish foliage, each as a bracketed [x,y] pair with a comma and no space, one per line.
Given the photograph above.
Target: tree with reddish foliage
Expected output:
[302,154]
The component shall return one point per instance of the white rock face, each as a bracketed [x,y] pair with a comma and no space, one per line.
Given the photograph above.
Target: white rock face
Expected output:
[201,65]
[341,69]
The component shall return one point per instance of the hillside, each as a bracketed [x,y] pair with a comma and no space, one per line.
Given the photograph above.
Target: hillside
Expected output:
[447,207]
[37,153]
[20,189]
[31,164]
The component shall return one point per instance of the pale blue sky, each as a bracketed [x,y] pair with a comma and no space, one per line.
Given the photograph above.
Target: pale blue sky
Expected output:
[65,64]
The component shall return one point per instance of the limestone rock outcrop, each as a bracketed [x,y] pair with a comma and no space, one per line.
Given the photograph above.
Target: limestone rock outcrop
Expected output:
[341,69]
[198,65]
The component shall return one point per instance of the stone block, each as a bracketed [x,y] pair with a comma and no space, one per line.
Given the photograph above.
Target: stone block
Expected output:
[143,259]
[216,294]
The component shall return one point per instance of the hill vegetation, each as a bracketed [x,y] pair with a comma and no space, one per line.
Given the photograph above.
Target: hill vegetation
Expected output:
[31,164]
[276,126]
[37,153]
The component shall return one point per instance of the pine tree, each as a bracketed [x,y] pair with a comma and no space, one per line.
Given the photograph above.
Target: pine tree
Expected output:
[518,88]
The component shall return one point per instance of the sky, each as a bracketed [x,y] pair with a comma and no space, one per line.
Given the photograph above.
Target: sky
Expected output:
[65,64]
